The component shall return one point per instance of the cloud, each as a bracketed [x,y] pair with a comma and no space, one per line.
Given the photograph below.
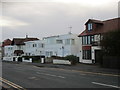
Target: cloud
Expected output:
[11,22]
[51,18]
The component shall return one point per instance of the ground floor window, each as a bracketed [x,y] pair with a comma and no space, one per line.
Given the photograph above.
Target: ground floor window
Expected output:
[86,54]
[49,53]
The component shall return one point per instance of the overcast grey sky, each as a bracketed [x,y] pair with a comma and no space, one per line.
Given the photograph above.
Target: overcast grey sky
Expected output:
[41,18]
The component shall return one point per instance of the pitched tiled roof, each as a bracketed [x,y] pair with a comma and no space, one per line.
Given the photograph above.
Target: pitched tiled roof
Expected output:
[20,41]
[108,25]
[6,42]
[94,21]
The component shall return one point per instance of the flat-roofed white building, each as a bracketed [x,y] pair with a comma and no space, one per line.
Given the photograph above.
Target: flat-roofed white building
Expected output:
[34,48]
[62,45]
[8,53]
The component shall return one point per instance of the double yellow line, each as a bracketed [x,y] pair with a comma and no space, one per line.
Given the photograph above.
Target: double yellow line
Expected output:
[11,84]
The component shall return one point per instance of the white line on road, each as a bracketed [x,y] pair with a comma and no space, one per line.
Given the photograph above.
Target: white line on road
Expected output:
[50,75]
[105,85]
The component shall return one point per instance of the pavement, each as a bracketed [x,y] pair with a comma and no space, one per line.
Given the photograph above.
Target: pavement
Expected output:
[25,75]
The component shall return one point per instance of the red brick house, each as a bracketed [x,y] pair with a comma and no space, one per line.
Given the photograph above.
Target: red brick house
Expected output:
[91,37]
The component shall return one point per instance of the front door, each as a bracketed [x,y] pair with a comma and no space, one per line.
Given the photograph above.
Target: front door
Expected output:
[98,56]
[13,58]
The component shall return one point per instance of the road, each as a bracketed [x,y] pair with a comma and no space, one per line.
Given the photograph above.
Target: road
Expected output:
[29,76]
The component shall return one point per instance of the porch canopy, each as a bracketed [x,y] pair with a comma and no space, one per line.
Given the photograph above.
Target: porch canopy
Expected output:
[18,52]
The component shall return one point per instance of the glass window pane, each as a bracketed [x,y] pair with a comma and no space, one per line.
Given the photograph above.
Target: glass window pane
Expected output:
[88,39]
[59,41]
[67,41]
[73,41]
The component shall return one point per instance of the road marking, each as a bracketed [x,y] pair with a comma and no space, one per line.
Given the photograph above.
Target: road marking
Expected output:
[50,75]
[12,84]
[86,72]
[105,85]
[33,78]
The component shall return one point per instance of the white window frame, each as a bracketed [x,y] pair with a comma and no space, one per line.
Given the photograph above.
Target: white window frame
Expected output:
[89,26]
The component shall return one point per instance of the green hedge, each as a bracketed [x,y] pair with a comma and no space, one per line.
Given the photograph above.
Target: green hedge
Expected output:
[72,58]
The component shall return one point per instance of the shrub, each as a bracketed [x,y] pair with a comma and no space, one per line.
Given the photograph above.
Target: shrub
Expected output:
[72,58]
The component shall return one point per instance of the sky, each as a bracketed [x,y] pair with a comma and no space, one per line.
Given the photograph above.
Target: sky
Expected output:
[43,18]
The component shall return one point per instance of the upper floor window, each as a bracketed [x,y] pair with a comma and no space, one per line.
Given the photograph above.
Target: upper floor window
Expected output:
[87,40]
[42,45]
[10,48]
[59,41]
[89,26]
[34,45]
[72,41]
[67,41]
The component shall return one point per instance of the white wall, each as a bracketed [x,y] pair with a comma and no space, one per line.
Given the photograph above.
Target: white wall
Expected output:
[23,60]
[7,58]
[9,51]
[35,49]
[55,61]
[86,61]
[93,51]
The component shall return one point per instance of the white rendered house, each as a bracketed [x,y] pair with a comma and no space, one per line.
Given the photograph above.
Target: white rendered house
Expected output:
[34,48]
[62,45]
[16,49]
[8,53]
